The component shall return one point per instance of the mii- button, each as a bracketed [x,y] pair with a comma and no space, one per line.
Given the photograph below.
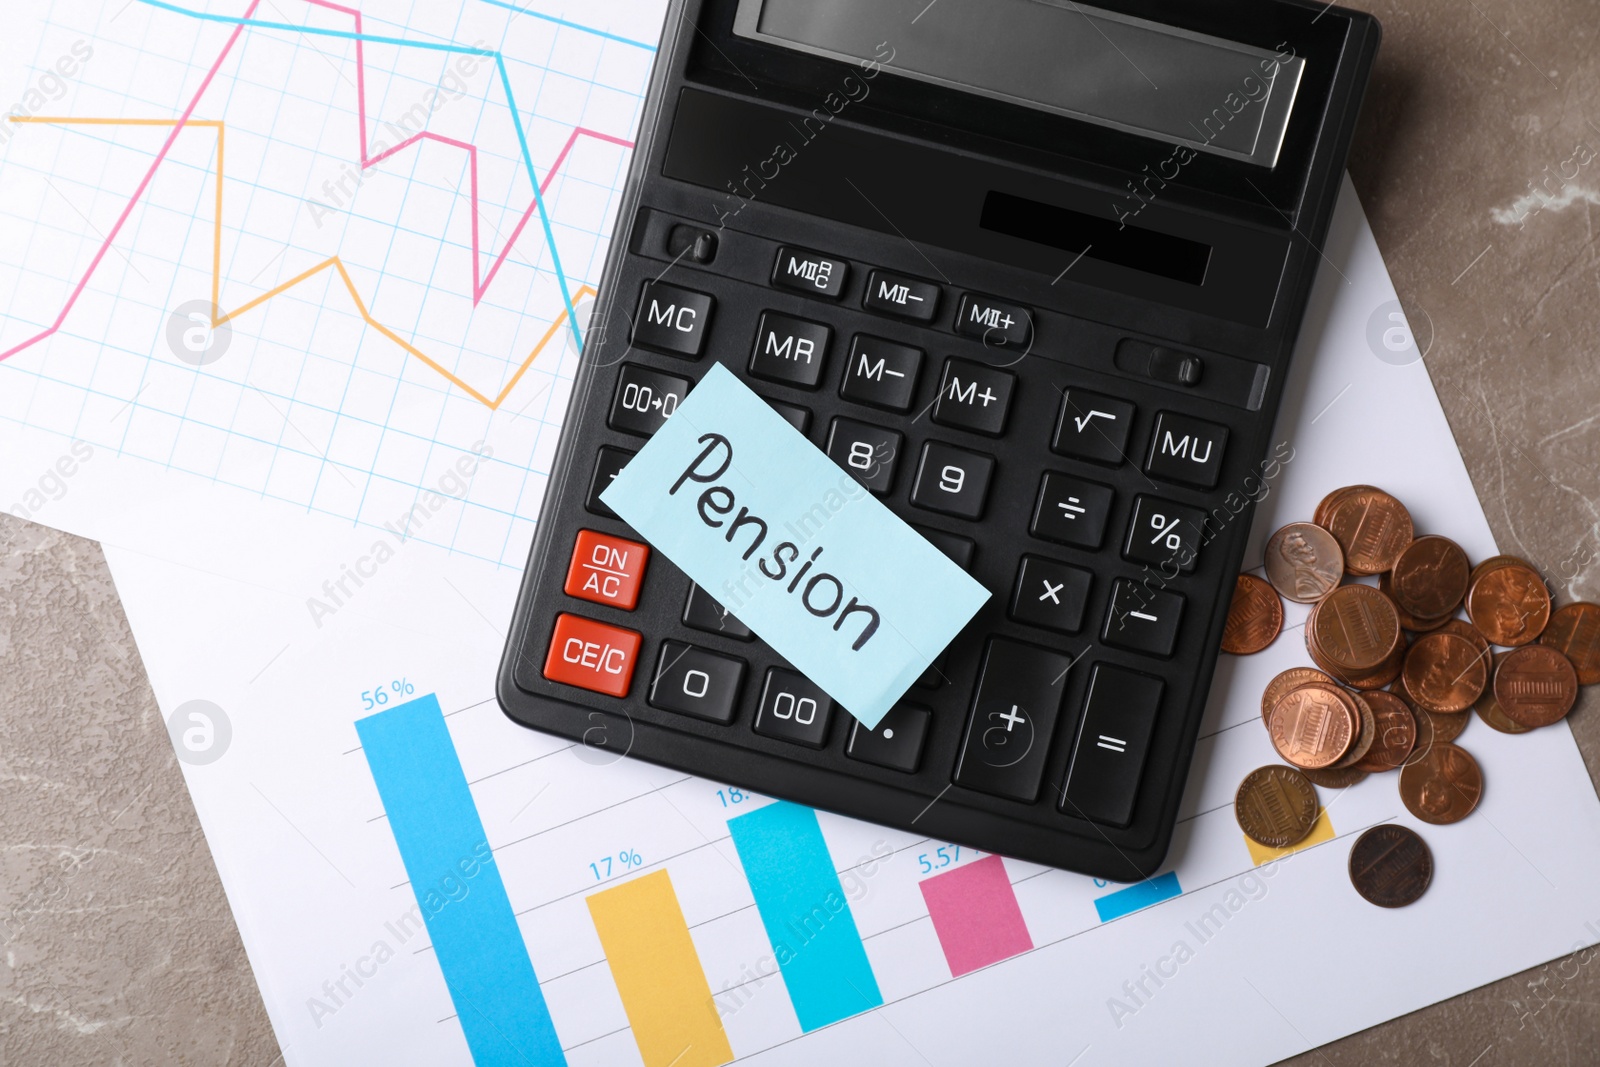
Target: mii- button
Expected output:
[606,570]
[592,655]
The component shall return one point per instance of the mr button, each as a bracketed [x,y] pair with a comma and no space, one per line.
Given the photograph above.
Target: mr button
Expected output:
[606,570]
[592,655]
[1186,450]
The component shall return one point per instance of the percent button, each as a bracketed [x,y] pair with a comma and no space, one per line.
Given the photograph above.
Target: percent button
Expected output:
[1164,534]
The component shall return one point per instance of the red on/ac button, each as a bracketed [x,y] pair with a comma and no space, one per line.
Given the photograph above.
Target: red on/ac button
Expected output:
[592,655]
[606,569]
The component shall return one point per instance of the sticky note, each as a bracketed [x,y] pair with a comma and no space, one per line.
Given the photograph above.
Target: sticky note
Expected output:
[793,546]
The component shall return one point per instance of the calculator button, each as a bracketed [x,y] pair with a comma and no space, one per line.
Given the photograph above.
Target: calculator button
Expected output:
[810,272]
[1050,594]
[701,612]
[592,655]
[607,465]
[1093,427]
[1013,714]
[793,414]
[1071,510]
[881,373]
[792,709]
[790,350]
[868,452]
[645,399]
[973,397]
[606,569]
[999,324]
[896,742]
[1142,619]
[952,480]
[899,294]
[959,549]
[1186,450]
[672,319]
[933,677]
[692,681]
[1164,533]
[1118,717]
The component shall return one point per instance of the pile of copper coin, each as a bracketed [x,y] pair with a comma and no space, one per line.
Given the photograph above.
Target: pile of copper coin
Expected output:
[1397,673]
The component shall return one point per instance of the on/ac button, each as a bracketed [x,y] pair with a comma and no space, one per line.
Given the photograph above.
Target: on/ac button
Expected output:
[606,569]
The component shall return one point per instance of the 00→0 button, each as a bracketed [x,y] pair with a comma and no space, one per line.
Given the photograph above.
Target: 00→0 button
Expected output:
[592,655]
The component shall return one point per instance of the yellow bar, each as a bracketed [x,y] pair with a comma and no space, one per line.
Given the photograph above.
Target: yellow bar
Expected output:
[1321,830]
[658,973]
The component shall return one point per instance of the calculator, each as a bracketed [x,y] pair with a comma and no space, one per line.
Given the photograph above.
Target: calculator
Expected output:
[1032,272]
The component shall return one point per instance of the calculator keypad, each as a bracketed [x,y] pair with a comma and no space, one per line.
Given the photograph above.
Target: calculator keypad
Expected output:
[900,294]
[1186,450]
[881,373]
[1014,713]
[790,350]
[952,480]
[811,273]
[645,399]
[608,462]
[1093,427]
[694,681]
[974,397]
[896,742]
[870,453]
[672,319]
[1073,511]
[793,709]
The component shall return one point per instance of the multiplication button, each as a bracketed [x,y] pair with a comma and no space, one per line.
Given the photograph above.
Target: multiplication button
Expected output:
[1050,594]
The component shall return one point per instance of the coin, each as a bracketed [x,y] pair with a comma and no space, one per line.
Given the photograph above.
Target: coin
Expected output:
[1409,621]
[1535,685]
[1355,627]
[1575,631]
[1391,866]
[1510,604]
[1304,562]
[1426,738]
[1329,778]
[1463,628]
[1396,733]
[1444,726]
[1443,672]
[1275,805]
[1365,735]
[1324,509]
[1293,678]
[1442,787]
[1255,617]
[1371,526]
[1493,563]
[1313,726]
[1488,709]
[1379,676]
[1429,579]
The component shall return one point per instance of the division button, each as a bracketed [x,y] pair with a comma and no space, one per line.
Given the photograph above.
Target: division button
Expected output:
[1071,510]
[1119,716]
[868,452]
[952,480]
[790,350]
[672,319]
[645,399]
[881,373]
[895,743]
[1093,427]
[810,272]
[607,465]
[701,612]
[1186,450]
[1014,713]
[692,681]
[1161,532]
[997,323]
[792,709]
[1142,619]
[606,569]
[1050,594]
[973,397]
[592,655]
[902,295]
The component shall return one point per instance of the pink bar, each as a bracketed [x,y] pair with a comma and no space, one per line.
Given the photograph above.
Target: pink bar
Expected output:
[975,914]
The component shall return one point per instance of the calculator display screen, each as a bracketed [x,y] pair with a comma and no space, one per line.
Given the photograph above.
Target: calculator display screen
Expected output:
[1114,70]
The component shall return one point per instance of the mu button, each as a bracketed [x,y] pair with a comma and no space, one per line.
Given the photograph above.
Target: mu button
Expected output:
[592,655]
[606,570]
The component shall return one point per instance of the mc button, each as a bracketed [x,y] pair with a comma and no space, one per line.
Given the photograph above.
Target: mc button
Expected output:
[592,655]
[672,319]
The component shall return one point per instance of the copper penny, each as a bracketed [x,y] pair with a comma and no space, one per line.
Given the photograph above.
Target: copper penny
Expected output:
[1313,726]
[1509,605]
[1276,806]
[1330,778]
[1575,631]
[1355,627]
[1463,628]
[1488,709]
[1409,621]
[1371,526]
[1429,579]
[1304,562]
[1443,672]
[1365,735]
[1442,787]
[1535,685]
[1379,676]
[1325,507]
[1255,618]
[1396,733]
[1391,866]
[1293,678]
[1443,726]
[1493,563]
[1426,737]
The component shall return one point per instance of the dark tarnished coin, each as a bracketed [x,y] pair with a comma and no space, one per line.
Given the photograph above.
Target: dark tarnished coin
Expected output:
[1510,604]
[1255,618]
[1371,526]
[1293,678]
[1574,630]
[1443,672]
[1304,562]
[1535,685]
[1429,579]
[1443,786]
[1391,866]
[1328,778]
[1275,805]
[1397,733]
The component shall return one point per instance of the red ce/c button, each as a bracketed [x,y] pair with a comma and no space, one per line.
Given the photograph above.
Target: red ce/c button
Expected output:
[606,569]
[592,655]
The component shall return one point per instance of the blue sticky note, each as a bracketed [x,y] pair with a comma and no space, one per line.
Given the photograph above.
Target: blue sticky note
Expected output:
[793,546]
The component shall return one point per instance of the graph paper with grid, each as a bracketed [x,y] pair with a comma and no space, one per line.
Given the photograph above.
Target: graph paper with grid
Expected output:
[340,258]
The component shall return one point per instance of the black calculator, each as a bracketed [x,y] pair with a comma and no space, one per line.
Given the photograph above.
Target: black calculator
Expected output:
[1032,272]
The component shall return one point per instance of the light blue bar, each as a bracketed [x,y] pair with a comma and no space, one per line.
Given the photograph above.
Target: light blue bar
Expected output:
[807,917]
[453,875]
[1140,895]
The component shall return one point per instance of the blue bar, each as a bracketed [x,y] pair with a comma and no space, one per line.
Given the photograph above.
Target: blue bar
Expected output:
[457,885]
[1140,895]
[807,916]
